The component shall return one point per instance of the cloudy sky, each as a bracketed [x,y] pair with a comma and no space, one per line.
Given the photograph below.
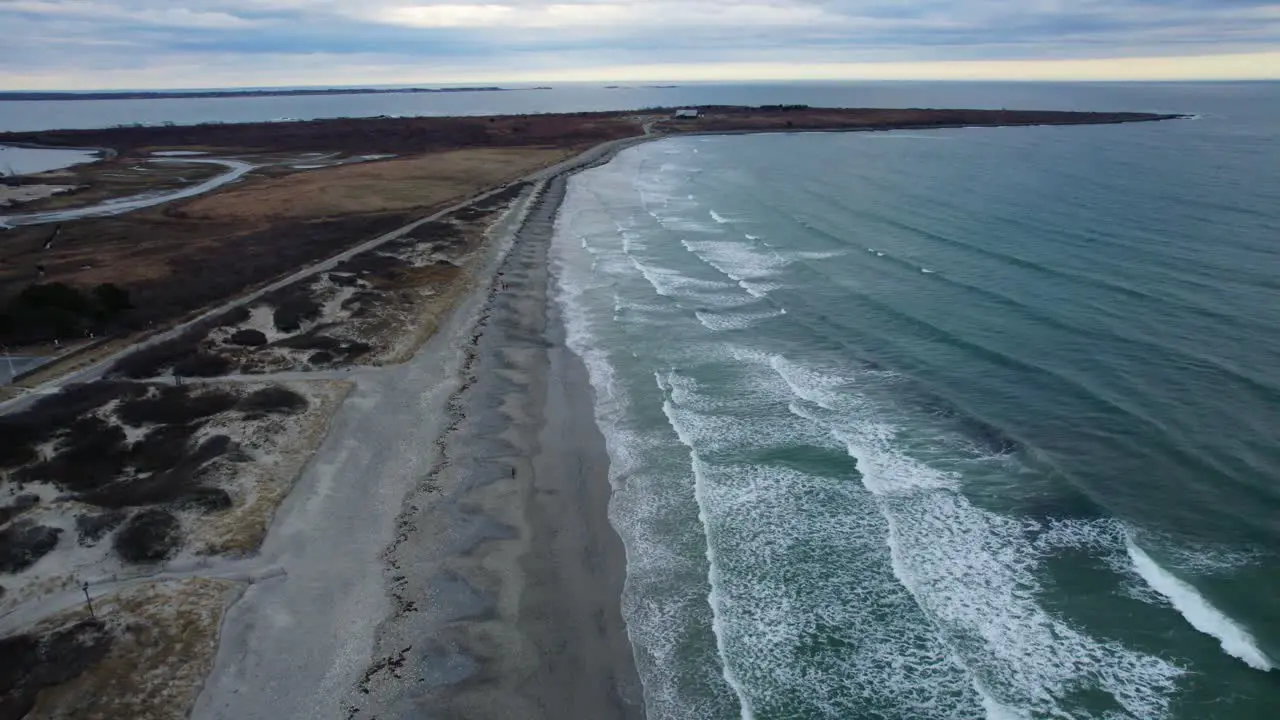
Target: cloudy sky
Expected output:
[82,44]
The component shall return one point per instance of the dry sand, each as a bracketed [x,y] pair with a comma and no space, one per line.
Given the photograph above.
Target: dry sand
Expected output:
[418,577]
[506,574]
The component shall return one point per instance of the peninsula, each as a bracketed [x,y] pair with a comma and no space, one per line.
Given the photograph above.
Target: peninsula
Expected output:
[309,435]
[264,92]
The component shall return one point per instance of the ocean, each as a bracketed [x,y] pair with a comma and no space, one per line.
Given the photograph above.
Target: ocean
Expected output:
[28,115]
[952,424]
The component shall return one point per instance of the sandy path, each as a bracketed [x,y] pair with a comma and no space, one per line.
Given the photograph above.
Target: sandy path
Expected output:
[116,206]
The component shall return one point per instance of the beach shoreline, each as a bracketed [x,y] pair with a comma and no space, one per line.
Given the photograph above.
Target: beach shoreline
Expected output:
[507,576]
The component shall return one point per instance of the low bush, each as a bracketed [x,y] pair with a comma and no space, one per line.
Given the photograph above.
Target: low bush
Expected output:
[203,364]
[276,399]
[21,545]
[175,406]
[30,662]
[48,311]
[248,337]
[311,341]
[161,357]
[293,307]
[92,527]
[149,536]
[23,431]
[162,448]
[94,459]
[204,499]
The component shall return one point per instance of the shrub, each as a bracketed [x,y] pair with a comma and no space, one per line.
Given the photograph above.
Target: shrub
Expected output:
[275,399]
[153,360]
[311,341]
[92,527]
[175,406]
[46,311]
[204,499]
[202,364]
[293,306]
[248,337]
[23,431]
[23,544]
[30,662]
[162,448]
[94,457]
[149,536]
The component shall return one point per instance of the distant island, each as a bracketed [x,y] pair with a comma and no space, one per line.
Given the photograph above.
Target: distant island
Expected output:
[171,94]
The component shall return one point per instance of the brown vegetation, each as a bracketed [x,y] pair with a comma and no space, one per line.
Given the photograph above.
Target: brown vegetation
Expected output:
[400,136]
[384,186]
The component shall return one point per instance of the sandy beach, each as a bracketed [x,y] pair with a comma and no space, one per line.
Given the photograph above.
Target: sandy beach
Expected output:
[472,483]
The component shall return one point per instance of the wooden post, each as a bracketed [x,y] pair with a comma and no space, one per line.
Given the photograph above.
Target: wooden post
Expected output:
[88,600]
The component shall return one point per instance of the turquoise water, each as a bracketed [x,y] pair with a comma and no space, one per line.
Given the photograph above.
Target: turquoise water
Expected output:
[955,424]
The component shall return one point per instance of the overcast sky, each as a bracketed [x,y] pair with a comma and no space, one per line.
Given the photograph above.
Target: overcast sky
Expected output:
[82,44]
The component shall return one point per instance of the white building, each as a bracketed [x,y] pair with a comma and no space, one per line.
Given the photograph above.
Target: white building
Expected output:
[687,113]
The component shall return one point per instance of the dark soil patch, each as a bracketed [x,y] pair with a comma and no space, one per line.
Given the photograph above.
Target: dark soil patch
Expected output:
[248,337]
[21,545]
[148,537]
[276,399]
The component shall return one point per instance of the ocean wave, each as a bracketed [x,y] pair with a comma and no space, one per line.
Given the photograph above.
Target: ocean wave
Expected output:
[975,572]
[1199,612]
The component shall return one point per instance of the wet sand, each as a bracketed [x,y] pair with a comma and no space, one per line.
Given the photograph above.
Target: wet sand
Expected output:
[507,574]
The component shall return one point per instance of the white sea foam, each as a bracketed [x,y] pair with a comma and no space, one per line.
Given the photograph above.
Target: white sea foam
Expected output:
[764,521]
[665,596]
[949,607]
[820,254]
[975,573]
[749,236]
[720,321]
[736,259]
[1203,616]
[719,218]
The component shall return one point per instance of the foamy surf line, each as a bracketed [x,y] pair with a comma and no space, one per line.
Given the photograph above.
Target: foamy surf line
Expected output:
[1235,640]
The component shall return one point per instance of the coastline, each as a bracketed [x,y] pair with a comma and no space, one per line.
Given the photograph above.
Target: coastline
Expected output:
[507,575]
[456,588]
[504,587]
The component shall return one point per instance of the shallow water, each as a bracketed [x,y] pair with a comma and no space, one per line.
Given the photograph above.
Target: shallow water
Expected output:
[948,424]
[25,161]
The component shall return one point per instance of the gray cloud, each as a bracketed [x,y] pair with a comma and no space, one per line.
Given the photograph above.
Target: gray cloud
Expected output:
[52,38]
